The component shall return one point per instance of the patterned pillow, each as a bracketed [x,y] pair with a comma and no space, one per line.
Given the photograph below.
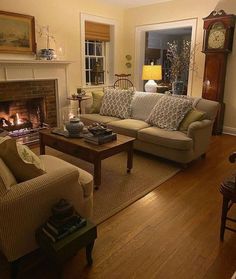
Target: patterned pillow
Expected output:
[117,102]
[169,111]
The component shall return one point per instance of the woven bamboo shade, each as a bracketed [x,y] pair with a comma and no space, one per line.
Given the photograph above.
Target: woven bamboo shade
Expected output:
[97,31]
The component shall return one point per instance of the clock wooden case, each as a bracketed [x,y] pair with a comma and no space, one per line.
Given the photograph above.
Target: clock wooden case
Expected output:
[217,43]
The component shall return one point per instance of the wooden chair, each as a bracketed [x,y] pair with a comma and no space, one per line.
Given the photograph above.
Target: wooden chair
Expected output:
[123,82]
[228,190]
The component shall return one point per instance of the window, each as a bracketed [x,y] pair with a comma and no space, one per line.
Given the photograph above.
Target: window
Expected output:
[95,53]
[98,50]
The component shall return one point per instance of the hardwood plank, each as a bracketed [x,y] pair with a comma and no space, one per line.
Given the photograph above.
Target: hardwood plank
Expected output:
[173,232]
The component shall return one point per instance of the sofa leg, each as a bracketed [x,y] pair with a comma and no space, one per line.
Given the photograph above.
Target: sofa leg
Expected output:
[14,268]
[203,156]
[184,166]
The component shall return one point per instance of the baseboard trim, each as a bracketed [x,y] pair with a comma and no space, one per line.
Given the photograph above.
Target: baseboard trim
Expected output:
[229,131]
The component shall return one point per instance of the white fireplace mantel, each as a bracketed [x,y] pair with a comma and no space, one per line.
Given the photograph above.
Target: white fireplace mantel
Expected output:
[7,61]
[22,70]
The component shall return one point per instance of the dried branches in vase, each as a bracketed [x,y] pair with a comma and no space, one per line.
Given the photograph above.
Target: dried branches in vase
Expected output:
[180,56]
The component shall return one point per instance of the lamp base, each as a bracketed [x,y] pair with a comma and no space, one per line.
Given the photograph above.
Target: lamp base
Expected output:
[151,86]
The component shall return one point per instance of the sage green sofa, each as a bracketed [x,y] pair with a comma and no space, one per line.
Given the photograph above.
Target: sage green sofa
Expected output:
[179,146]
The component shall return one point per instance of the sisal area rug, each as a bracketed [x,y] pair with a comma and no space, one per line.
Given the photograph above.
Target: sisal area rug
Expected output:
[119,189]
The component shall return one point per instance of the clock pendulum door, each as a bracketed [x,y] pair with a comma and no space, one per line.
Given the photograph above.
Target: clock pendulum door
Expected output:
[213,84]
[217,44]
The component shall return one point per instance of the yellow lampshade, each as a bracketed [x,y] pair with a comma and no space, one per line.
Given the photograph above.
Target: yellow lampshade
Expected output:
[153,72]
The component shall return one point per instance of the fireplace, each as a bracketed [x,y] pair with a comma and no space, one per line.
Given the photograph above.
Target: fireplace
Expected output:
[26,107]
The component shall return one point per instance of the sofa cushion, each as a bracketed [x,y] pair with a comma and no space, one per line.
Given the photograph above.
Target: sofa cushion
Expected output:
[7,179]
[89,119]
[143,103]
[192,116]
[97,101]
[128,127]
[117,102]
[169,111]
[170,139]
[21,161]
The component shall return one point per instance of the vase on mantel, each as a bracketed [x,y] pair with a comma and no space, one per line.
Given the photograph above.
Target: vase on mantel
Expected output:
[47,54]
[177,87]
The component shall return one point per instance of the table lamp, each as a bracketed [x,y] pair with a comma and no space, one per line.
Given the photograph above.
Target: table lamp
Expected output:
[151,73]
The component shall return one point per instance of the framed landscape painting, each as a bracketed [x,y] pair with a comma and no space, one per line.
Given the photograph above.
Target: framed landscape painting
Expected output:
[17,33]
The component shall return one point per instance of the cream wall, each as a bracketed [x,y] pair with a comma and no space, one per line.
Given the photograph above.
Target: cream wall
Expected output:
[63,18]
[188,9]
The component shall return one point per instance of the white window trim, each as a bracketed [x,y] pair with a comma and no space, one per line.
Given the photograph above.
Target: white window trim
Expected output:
[140,46]
[109,73]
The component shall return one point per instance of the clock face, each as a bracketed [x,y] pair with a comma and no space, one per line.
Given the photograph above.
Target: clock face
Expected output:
[216,38]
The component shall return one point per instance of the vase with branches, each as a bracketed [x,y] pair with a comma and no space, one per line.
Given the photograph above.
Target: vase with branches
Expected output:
[180,57]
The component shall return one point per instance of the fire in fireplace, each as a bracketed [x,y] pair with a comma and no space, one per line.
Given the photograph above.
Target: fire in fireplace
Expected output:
[16,115]
[26,107]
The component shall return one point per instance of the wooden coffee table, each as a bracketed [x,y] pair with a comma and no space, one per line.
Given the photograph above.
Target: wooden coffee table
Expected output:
[87,151]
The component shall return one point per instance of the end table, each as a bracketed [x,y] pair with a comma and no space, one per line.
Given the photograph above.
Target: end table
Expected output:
[60,251]
[80,100]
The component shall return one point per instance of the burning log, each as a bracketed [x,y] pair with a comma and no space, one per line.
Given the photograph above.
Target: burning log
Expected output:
[8,126]
[4,122]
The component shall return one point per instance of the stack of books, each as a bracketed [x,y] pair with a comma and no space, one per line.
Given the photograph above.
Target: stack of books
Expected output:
[100,139]
[56,230]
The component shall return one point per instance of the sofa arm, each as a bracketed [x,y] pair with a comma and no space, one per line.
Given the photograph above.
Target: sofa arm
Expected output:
[28,204]
[200,132]
[44,184]
[199,125]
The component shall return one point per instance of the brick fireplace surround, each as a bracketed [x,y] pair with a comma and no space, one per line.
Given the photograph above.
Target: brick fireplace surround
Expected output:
[18,91]
[45,81]
[38,70]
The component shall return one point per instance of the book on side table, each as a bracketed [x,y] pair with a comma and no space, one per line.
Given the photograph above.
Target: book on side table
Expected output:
[56,231]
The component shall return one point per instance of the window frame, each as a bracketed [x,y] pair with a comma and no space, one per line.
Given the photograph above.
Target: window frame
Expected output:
[110,49]
[140,46]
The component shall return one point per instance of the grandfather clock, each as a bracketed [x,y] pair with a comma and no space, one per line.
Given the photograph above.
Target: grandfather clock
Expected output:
[217,43]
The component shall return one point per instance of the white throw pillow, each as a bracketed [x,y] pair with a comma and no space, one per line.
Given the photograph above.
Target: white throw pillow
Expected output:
[169,111]
[143,103]
[117,103]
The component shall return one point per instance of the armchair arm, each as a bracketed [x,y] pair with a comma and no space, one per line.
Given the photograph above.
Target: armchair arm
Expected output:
[200,132]
[28,205]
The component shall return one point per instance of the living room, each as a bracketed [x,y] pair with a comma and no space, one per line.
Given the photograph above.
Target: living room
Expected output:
[173,230]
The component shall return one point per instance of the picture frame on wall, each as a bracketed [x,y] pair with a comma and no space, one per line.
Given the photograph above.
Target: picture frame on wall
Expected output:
[17,33]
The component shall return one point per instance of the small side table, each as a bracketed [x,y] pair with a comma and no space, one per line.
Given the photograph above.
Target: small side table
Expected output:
[80,100]
[60,251]
[228,190]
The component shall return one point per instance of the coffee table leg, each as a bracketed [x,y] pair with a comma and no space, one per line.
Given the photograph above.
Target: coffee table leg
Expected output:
[130,158]
[89,249]
[97,173]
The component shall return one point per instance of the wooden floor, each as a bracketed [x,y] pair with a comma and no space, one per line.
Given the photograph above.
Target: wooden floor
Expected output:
[172,233]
